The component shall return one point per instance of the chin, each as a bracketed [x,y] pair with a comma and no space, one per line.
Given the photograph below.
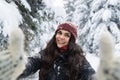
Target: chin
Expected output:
[59,46]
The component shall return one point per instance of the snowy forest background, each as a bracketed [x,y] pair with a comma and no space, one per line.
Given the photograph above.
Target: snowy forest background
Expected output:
[39,18]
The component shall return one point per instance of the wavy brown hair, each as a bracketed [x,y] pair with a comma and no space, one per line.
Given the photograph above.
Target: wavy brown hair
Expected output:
[75,60]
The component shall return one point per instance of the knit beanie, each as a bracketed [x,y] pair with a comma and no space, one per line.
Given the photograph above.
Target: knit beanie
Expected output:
[69,27]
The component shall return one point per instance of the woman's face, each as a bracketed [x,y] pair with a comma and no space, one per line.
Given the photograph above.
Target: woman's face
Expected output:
[62,38]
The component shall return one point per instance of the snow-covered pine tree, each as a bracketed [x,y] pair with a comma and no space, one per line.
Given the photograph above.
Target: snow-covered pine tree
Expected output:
[81,13]
[81,18]
[100,13]
[69,8]
[37,23]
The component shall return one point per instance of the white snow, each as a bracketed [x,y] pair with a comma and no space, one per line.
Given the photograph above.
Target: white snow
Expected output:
[24,2]
[94,60]
[10,16]
[57,6]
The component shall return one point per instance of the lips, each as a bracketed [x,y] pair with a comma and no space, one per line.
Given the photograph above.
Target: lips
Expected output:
[60,42]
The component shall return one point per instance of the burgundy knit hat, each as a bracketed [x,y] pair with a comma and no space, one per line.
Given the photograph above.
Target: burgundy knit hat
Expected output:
[69,27]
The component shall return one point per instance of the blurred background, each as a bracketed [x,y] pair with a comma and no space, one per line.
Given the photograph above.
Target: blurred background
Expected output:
[38,20]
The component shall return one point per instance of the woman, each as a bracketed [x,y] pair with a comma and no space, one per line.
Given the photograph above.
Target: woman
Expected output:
[62,59]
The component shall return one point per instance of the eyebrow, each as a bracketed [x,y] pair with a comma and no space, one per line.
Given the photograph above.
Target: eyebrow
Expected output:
[65,32]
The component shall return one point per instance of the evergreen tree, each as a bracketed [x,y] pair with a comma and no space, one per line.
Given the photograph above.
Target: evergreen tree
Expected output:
[70,8]
[81,13]
[95,15]
[37,24]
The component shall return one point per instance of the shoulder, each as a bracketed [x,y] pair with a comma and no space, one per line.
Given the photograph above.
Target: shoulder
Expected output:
[87,72]
[88,68]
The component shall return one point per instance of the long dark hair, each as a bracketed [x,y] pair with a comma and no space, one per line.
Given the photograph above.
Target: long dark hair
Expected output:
[75,60]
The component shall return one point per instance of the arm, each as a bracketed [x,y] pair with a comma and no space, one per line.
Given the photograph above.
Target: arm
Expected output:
[33,64]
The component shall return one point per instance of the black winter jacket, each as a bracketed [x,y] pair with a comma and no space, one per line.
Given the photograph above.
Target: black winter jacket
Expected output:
[58,70]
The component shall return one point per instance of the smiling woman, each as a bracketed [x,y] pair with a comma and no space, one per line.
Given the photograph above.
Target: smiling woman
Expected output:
[62,38]
[62,59]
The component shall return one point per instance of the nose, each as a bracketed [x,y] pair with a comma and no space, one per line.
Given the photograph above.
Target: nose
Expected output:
[62,36]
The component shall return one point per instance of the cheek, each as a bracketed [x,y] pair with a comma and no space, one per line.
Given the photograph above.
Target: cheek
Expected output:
[56,37]
[67,40]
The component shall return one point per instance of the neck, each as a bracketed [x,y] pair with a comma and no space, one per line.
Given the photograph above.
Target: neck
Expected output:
[63,49]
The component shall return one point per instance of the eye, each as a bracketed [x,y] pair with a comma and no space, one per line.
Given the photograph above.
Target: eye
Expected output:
[59,33]
[67,35]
